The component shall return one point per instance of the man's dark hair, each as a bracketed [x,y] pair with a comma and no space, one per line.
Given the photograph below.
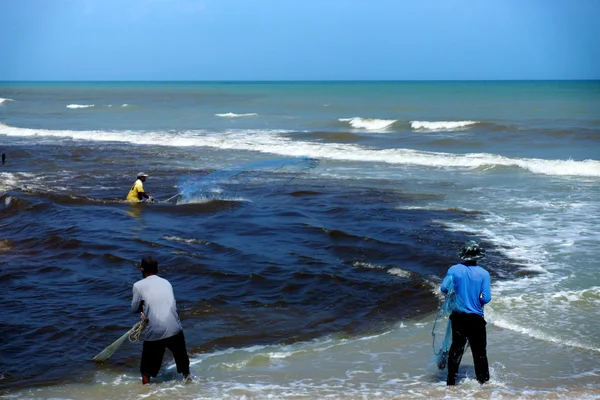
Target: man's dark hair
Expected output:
[149,265]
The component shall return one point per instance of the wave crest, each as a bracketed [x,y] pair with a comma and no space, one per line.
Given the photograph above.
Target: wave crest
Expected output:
[367,123]
[441,125]
[233,115]
[273,142]
[80,105]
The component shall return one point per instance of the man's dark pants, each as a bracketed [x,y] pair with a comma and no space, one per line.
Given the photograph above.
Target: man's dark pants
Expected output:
[153,352]
[469,327]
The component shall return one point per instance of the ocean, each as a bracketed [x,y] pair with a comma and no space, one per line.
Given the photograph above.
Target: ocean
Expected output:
[305,228]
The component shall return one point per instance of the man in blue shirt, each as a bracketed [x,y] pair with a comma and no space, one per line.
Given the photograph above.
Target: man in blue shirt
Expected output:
[471,286]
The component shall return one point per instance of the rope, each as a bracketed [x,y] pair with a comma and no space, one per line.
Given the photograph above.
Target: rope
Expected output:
[136,331]
[172,197]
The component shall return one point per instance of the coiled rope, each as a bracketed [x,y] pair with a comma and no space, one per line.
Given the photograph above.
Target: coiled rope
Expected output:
[136,332]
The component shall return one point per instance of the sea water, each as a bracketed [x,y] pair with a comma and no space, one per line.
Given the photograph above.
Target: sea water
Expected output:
[311,267]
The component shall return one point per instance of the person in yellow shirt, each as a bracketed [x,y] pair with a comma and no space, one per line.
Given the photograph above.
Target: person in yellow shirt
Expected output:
[137,193]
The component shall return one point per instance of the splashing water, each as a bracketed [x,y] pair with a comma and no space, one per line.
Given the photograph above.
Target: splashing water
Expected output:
[215,185]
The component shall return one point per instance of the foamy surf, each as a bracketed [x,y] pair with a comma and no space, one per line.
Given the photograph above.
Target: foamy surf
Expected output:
[75,106]
[329,367]
[273,142]
[233,115]
[441,125]
[539,334]
[7,181]
[2,100]
[368,124]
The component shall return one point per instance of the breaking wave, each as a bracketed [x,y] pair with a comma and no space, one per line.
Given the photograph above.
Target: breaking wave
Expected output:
[369,124]
[441,125]
[80,105]
[277,142]
[233,115]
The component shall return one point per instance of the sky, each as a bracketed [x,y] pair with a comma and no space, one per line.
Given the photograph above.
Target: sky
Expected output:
[209,40]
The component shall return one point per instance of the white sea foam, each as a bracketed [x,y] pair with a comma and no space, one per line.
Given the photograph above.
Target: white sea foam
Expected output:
[369,124]
[589,296]
[272,141]
[367,265]
[8,181]
[572,312]
[385,366]
[545,234]
[233,115]
[441,125]
[203,199]
[2,100]
[183,240]
[399,272]
[80,105]
[539,334]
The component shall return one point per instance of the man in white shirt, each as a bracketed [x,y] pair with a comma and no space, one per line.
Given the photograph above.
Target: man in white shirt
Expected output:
[153,296]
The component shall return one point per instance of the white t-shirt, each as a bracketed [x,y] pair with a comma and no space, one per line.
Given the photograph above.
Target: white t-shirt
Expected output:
[159,307]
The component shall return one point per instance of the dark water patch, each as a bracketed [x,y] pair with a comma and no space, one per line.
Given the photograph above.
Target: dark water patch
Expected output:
[5,277]
[292,214]
[307,260]
[202,206]
[34,244]
[334,137]
[458,143]
[279,269]
[498,127]
[574,133]
[303,193]
[51,270]
[10,205]
[39,207]
[336,296]
[73,200]
[336,234]
[201,251]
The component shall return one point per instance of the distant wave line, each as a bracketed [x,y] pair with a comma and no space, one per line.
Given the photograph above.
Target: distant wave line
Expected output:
[233,115]
[382,124]
[368,123]
[441,125]
[76,106]
[80,105]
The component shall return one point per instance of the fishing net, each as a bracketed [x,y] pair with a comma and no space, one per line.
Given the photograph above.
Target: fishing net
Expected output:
[133,335]
[442,327]
[224,183]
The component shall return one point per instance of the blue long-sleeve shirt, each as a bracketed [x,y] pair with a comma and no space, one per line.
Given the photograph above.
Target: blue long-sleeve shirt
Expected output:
[471,285]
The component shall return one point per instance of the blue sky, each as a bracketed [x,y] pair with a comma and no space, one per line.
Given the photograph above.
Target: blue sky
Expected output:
[299,40]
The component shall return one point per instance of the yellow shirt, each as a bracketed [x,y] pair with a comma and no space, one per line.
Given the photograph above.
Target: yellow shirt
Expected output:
[134,192]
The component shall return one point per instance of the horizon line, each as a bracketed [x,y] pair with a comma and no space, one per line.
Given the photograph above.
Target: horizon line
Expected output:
[297,80]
